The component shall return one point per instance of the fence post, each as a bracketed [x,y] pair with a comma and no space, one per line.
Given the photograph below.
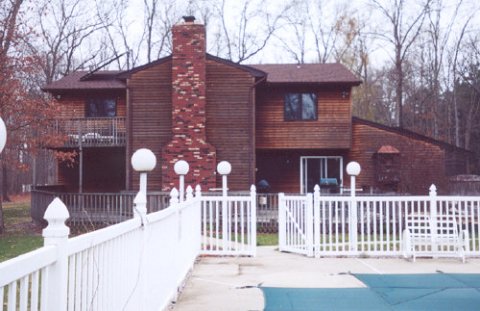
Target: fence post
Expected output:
[316,220]
[140,211]
[433,212]
[309,224]
[253,220]
[199,214]
[281,221]
[56,234]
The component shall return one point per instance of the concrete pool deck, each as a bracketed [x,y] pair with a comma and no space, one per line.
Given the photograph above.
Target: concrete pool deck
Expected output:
[229,283]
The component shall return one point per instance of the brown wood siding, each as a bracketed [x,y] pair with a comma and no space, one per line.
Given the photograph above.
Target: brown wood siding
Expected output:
[151,117]
[72,105]
[332,129]
[421,163]
[229,121]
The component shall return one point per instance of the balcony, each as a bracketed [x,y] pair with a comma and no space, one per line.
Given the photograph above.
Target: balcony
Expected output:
[92,132]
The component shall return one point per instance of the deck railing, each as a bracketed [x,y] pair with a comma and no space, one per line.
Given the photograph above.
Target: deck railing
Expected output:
[100,209]
[92,132]
[95,209]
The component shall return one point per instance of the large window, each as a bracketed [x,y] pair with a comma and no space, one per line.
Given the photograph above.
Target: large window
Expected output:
[101,107]
[300,107]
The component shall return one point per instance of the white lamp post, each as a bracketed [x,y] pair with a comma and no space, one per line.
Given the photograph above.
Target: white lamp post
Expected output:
[181,168]
[353,169]
[224,168]
[143,161]
[3,134]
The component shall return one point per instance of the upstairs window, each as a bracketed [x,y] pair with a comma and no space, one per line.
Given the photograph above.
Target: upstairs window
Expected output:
[101,107]
[300,107]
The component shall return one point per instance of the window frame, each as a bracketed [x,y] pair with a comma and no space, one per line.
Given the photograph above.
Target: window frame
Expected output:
[298,115]
[100,101]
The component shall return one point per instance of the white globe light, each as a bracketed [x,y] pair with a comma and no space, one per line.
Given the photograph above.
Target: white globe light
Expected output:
[143,160]
[3,134]
[224,168]
[353,168]
[181,167]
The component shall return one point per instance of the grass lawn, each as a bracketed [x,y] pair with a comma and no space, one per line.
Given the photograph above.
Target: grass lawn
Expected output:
[267,239]
[21,234]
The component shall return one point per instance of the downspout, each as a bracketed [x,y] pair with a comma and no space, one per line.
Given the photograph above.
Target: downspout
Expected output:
[252,130]
[80,166]
[127,136]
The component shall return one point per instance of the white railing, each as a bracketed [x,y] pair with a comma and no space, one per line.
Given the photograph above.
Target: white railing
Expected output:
[229,224]
[135,265]
[91,132]
[373,226]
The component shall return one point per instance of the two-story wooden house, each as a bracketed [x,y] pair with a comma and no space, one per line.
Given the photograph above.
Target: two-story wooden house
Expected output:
[289,126]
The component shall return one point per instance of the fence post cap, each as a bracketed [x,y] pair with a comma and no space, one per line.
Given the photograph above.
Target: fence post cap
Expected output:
[189,192]
[316,188]
[433,189]
[198,191]
[253,189]
[56,215]
[173,196]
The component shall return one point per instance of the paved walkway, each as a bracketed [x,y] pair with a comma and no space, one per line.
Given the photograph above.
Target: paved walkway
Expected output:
[229,283]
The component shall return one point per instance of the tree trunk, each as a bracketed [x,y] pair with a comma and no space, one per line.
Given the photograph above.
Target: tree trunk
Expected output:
[2,223]
[5,196]
[399,91]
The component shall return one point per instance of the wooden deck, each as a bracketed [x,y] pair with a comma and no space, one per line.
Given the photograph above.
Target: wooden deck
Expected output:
[110,208]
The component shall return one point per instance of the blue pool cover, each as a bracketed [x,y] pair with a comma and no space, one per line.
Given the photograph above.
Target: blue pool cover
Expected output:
[439,291]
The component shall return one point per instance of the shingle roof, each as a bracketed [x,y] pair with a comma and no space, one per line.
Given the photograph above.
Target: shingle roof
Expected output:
[410,134]
[100,80]
[308,73]
[277,73]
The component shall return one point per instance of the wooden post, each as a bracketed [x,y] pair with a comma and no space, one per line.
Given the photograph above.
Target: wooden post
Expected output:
[56,234]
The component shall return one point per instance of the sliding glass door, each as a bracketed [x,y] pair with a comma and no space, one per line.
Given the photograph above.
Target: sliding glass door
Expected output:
[324,171]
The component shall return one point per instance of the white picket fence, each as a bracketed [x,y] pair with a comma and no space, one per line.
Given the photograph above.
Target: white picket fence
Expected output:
[138,264]
[317,225]
[229,225]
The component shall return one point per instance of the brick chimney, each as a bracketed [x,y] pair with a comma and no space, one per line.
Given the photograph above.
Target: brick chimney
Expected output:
[189,141]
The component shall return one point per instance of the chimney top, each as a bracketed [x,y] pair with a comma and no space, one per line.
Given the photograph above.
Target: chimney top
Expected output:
[189,19]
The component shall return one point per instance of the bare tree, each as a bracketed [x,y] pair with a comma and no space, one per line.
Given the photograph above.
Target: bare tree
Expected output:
[66,31]
[432,50]
[404,28]
[241,36]
[21,107]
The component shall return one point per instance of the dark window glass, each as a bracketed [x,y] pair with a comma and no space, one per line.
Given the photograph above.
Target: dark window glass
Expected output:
[300,106]
[101,108]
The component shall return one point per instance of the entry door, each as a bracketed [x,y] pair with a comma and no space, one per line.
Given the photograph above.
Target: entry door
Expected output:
[315,169]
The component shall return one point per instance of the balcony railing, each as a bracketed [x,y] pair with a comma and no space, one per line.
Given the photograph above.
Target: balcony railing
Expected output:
[92,132]
[103,209]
